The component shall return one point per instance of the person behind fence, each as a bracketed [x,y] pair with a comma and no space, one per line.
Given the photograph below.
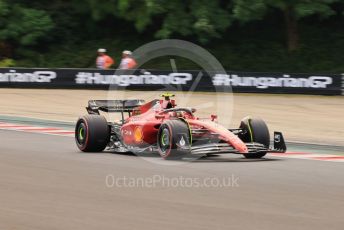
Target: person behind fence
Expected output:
[103,61]
[127,62]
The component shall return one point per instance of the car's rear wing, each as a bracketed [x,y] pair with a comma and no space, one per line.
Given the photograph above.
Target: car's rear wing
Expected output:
[94,106]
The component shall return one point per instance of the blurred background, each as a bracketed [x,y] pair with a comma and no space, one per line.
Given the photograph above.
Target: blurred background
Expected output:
[244,35]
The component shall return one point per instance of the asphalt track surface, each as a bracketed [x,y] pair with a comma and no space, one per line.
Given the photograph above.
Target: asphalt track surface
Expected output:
[46,183]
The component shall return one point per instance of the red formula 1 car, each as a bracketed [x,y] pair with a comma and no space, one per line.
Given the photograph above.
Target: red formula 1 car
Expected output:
[160,126]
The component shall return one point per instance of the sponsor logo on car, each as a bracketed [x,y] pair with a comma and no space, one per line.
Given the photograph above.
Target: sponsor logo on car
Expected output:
[182,141]
[138,134]
[126,132]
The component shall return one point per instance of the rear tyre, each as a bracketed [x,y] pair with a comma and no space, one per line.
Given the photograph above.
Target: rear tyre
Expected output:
[174,139]
[92,133]
[255,130]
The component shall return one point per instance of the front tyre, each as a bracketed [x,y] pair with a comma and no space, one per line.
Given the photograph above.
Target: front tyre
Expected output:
[255,130]
[174,139]
[92,133]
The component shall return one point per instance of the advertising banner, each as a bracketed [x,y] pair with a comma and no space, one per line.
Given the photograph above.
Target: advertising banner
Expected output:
[245,82]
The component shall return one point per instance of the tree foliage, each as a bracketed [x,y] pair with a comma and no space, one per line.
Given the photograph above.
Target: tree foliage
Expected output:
[203,19]
[23,25]
[41,33]
[292,11]
[206,19]
[248,10]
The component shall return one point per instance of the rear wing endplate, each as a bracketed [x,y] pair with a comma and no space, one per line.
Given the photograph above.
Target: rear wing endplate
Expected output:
[94,106]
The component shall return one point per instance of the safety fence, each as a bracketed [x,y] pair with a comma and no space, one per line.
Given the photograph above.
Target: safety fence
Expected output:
[242,82]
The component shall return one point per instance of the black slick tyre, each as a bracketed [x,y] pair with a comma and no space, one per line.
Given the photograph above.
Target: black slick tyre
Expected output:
[255,130]
[174,139]
[92,133]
